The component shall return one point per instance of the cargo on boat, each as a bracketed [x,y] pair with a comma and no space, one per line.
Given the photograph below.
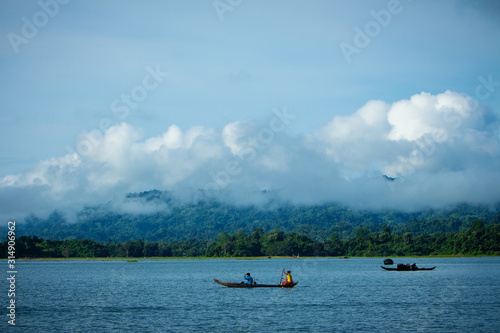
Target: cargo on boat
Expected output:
[408,267]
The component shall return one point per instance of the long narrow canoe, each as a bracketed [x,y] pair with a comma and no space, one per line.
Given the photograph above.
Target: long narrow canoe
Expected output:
[246,285]
[405,269]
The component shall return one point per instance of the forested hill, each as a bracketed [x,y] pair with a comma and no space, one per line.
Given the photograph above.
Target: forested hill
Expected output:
[207,219]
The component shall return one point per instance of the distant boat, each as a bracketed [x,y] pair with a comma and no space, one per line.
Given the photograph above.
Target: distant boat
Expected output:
[388,262]
[255,285]
[408,267]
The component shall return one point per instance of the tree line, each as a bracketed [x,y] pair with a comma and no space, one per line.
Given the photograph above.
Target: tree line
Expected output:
[206,220]
[479,239]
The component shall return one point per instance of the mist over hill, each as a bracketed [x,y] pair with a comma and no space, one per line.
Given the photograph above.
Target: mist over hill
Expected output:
[160,216]
[428,151]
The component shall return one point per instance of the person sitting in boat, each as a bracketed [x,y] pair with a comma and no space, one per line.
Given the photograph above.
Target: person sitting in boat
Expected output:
[289,279]
[248,278]
[414,266]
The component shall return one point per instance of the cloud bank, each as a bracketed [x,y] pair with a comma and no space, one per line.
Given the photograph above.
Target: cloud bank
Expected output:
[426,151]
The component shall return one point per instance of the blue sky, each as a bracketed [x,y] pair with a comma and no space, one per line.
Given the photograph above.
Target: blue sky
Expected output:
[229,65]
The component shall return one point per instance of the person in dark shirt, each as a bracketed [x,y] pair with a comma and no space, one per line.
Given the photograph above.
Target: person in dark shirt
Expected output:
[248,278]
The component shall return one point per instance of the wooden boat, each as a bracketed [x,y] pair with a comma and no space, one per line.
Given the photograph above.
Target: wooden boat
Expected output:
[256,285]
[388,262]
[408,268]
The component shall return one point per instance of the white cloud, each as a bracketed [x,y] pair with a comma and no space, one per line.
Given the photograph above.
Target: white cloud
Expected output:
[440,148]
[425,132]
[424,114]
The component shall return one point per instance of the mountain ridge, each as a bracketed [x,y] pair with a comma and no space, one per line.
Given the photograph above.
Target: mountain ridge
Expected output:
[166,219]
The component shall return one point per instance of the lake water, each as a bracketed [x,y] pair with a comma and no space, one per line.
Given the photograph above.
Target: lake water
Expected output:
[333,295]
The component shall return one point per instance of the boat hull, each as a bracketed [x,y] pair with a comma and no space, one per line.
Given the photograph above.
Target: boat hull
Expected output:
[406,270]
[246,285]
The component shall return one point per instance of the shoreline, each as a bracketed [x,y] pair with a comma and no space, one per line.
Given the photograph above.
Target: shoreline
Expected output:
[137,259]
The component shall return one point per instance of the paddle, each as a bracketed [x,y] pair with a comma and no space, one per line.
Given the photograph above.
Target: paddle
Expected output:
[281,280]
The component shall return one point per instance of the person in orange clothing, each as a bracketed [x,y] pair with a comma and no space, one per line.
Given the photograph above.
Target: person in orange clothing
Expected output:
[289,279]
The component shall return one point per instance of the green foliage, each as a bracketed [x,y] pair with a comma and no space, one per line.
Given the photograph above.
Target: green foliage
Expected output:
[216,229]
[206,220]
[479,239]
